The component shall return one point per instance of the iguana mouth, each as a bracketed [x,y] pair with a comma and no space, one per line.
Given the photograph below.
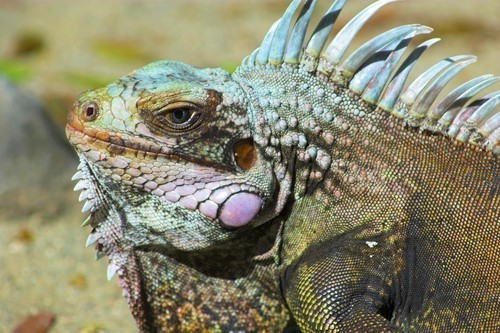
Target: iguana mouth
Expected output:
[90,140]
[214,199]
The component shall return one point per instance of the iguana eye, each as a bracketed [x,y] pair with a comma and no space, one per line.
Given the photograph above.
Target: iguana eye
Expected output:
[179,116]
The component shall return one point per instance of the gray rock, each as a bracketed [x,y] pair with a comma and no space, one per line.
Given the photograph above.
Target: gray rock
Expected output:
[36,162]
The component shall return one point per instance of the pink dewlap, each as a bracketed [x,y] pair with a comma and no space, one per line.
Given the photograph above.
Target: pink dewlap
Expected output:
[240,209]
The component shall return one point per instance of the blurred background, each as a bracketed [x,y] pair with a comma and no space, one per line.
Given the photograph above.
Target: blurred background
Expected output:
[51,50]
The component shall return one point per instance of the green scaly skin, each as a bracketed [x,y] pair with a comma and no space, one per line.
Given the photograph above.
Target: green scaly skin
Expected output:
[274,197]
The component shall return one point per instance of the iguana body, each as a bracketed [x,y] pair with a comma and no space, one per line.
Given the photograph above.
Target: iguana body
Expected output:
[303,188]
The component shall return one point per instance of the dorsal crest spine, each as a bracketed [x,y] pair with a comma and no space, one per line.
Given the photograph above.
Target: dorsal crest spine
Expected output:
[368,72]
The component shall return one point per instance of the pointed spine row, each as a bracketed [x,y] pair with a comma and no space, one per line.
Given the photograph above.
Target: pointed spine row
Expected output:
[367,72]
[95,201]
[92,203]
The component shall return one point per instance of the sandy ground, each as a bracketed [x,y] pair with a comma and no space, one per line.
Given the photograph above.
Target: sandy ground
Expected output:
[55,49]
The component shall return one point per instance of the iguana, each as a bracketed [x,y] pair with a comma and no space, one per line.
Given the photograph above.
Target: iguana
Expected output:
[308,190]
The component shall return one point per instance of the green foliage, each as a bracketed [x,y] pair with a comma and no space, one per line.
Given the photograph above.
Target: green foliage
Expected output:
[15,70]
[230,67]
[87,80]
[120,51]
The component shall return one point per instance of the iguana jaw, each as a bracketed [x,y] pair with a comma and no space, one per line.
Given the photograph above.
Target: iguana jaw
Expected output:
[114,144]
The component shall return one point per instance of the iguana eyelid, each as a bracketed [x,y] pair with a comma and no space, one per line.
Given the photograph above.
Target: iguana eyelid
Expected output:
[178,105]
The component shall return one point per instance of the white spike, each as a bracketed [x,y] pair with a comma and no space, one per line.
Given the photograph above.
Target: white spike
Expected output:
[81,185]
[251,59]
[480,113]
[93,237]
[78,175]
[88,221]
[343,39]
[396,85]
[363,77]
[480,137]
[458,121]
[298,33]
[112,269]
[415,88]
[265,47]
[492,142]
[409,95]
[325,25]
[490,125]
[83,195]
[455,110]
[461,95]
[88,206]
[428,95]
[485,110]
[277,48]
[374,89]
[354,61]
[244,62]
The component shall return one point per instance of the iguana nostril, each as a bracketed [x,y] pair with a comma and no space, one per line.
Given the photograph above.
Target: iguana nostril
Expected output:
[90,112]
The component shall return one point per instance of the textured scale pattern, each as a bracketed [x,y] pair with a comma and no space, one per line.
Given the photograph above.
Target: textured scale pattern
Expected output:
[310,190]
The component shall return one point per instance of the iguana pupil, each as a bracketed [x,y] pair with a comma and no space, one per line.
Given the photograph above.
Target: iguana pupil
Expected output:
[180,116]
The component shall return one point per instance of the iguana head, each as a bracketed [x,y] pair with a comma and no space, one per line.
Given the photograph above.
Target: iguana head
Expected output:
[176,139]
[172,180]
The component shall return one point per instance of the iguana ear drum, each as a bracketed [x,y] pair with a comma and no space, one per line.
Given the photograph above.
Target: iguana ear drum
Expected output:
[244,153]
